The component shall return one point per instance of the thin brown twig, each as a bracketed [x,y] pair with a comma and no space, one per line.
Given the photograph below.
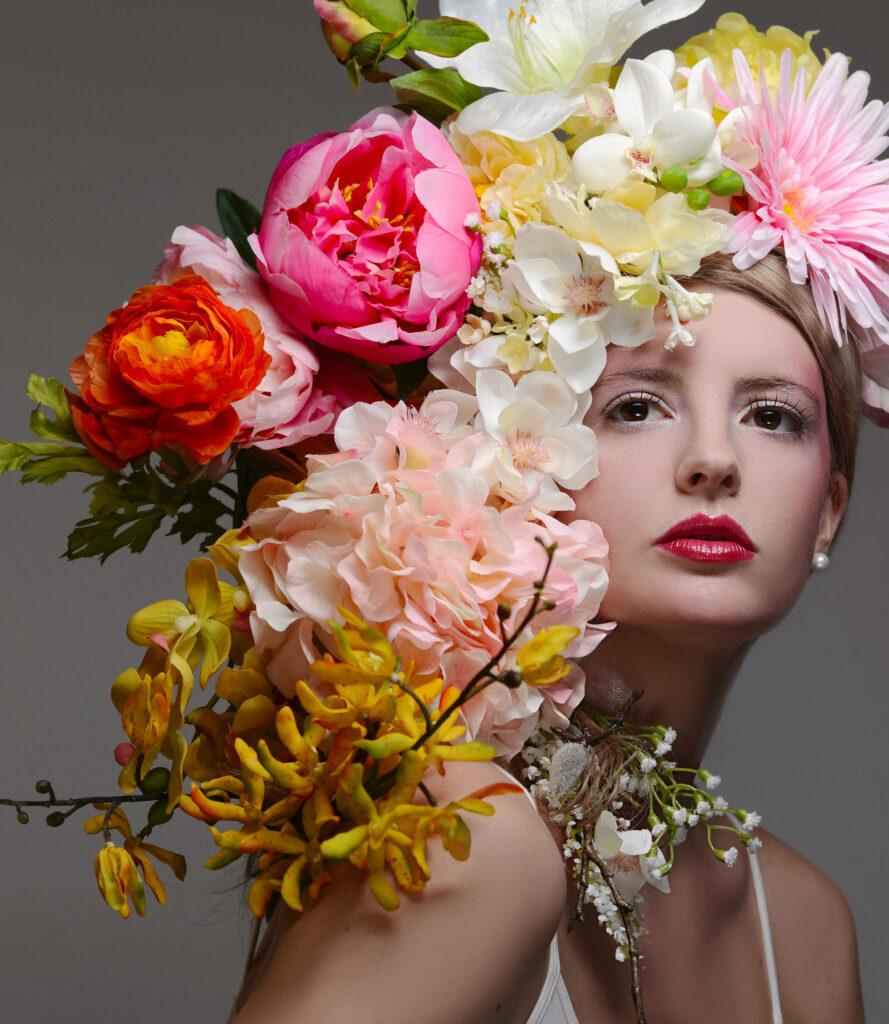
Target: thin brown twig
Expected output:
[625,911]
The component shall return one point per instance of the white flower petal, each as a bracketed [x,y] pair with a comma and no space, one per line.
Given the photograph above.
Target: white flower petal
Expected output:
[602,163]
[581,368]
[635,842]
[682,136]
[520,117]
[642,97]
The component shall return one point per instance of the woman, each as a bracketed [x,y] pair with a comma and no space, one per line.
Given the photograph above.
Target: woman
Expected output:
[720,480]
[137,961]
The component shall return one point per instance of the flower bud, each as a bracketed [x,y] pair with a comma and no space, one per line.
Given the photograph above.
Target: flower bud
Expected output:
[512,679]
[341,26]
[43,786]
[698,198]
[55,819]
[158,813]
[674,179]
[23,818]
[123,752]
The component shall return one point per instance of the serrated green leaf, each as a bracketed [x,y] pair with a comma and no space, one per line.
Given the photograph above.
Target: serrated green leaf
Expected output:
[61,429]
[446,37]
[387,15]
[49,469]
[409,376]
[239,219]
[437,91]
[49,392]
[14,454]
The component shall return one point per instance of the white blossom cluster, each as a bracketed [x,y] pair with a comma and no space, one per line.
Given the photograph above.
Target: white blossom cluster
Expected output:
[649,786]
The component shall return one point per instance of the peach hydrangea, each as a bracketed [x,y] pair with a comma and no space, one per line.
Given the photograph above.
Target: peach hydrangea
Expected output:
[399,528]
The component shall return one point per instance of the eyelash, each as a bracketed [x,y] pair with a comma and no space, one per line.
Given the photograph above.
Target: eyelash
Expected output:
[789,408]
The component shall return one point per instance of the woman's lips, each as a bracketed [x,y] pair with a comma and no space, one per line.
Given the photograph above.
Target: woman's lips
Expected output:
[703,538]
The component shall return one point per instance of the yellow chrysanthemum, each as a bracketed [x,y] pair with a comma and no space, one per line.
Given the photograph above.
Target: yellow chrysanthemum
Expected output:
[734,32]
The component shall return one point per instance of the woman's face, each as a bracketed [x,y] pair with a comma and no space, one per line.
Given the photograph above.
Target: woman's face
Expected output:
[714,486]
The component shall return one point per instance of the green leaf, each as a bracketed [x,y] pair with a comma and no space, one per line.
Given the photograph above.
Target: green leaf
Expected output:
[54,467]
[411,7]
[48,391]
[56,430]
[18,454]
[369,49]
[446,37]
[387,15]
[435,92]
[352,70]
[239,219]
[409,376]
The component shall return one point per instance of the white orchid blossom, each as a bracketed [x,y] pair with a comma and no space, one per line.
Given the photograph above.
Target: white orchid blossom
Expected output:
[542,55]
[536,437]
[650,135]
[632,861]
[555,273]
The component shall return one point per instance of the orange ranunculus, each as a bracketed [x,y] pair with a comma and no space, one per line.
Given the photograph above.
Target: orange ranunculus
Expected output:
[165,370]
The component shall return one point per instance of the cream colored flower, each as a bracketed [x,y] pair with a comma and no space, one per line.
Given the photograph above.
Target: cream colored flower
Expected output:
[510,174]
[733,31]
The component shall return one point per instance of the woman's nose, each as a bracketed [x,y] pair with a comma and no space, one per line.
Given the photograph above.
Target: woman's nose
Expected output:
[709,465]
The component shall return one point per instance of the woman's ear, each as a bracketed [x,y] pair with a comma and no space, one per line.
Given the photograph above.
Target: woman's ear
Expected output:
[833,511]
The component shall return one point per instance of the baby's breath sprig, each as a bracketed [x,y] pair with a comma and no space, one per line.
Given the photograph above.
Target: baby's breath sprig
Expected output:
[625,807]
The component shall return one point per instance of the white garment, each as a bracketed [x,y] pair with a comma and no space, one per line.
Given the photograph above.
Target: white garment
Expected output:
[553,1005]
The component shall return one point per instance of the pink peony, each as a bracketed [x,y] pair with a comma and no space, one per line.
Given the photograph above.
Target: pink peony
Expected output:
[820,192]
[287,407]
[363,243]
[400,529]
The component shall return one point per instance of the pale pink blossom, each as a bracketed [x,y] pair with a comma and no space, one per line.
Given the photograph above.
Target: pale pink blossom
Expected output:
[288,406]
[400,529]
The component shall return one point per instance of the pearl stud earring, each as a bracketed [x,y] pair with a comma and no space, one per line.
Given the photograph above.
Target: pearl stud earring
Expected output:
[820,562]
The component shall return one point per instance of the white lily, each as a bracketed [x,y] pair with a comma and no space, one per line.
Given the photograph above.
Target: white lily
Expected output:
[536,436]
[542,54]
[653,135]
[630,855]
[553,272]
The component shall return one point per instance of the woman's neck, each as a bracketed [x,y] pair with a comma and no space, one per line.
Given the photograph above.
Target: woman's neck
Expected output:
[685,682]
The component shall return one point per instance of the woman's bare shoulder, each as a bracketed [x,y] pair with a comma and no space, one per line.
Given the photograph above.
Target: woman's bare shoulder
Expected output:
[470,947]
[814,936]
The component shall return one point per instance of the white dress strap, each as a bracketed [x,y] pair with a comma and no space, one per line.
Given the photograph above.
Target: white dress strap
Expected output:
[766,929]
[553,1005]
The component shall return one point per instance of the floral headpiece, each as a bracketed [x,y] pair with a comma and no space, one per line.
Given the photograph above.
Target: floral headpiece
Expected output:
[394,554]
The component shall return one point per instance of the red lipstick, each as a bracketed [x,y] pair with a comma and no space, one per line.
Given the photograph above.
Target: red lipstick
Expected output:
[703,538]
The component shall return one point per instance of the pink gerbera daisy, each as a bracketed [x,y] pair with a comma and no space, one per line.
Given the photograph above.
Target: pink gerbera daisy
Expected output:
[818,190]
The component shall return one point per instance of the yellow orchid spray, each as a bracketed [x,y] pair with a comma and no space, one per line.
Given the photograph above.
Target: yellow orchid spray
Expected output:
[334,774]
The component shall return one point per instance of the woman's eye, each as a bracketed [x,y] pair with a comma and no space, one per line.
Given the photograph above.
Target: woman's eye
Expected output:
[775,419]
[635,409]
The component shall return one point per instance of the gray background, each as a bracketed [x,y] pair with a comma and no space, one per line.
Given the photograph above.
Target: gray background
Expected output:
[118,122]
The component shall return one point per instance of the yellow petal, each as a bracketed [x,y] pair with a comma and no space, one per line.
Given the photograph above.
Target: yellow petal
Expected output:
[238,684]
[342,845]
[202,587]
[158,618]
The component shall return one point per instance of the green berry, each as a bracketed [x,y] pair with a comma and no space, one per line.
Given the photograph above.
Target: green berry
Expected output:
[155,781]
[698,198]
[674,179]
[158,813]
[726,183]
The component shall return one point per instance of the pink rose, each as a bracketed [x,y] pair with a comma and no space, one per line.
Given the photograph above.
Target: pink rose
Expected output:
[287,407]
[363,242]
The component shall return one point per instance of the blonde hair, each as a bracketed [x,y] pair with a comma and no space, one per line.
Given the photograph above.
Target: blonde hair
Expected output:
[769,282]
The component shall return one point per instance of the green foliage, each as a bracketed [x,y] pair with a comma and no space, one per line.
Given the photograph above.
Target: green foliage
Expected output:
[128,508]
[48,460]
[386,15]
[239,219]
[435,93]
[446,37]
[409,376]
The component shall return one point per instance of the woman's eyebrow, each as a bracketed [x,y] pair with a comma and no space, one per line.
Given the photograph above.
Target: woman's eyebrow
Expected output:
[654,375]
[772,383]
